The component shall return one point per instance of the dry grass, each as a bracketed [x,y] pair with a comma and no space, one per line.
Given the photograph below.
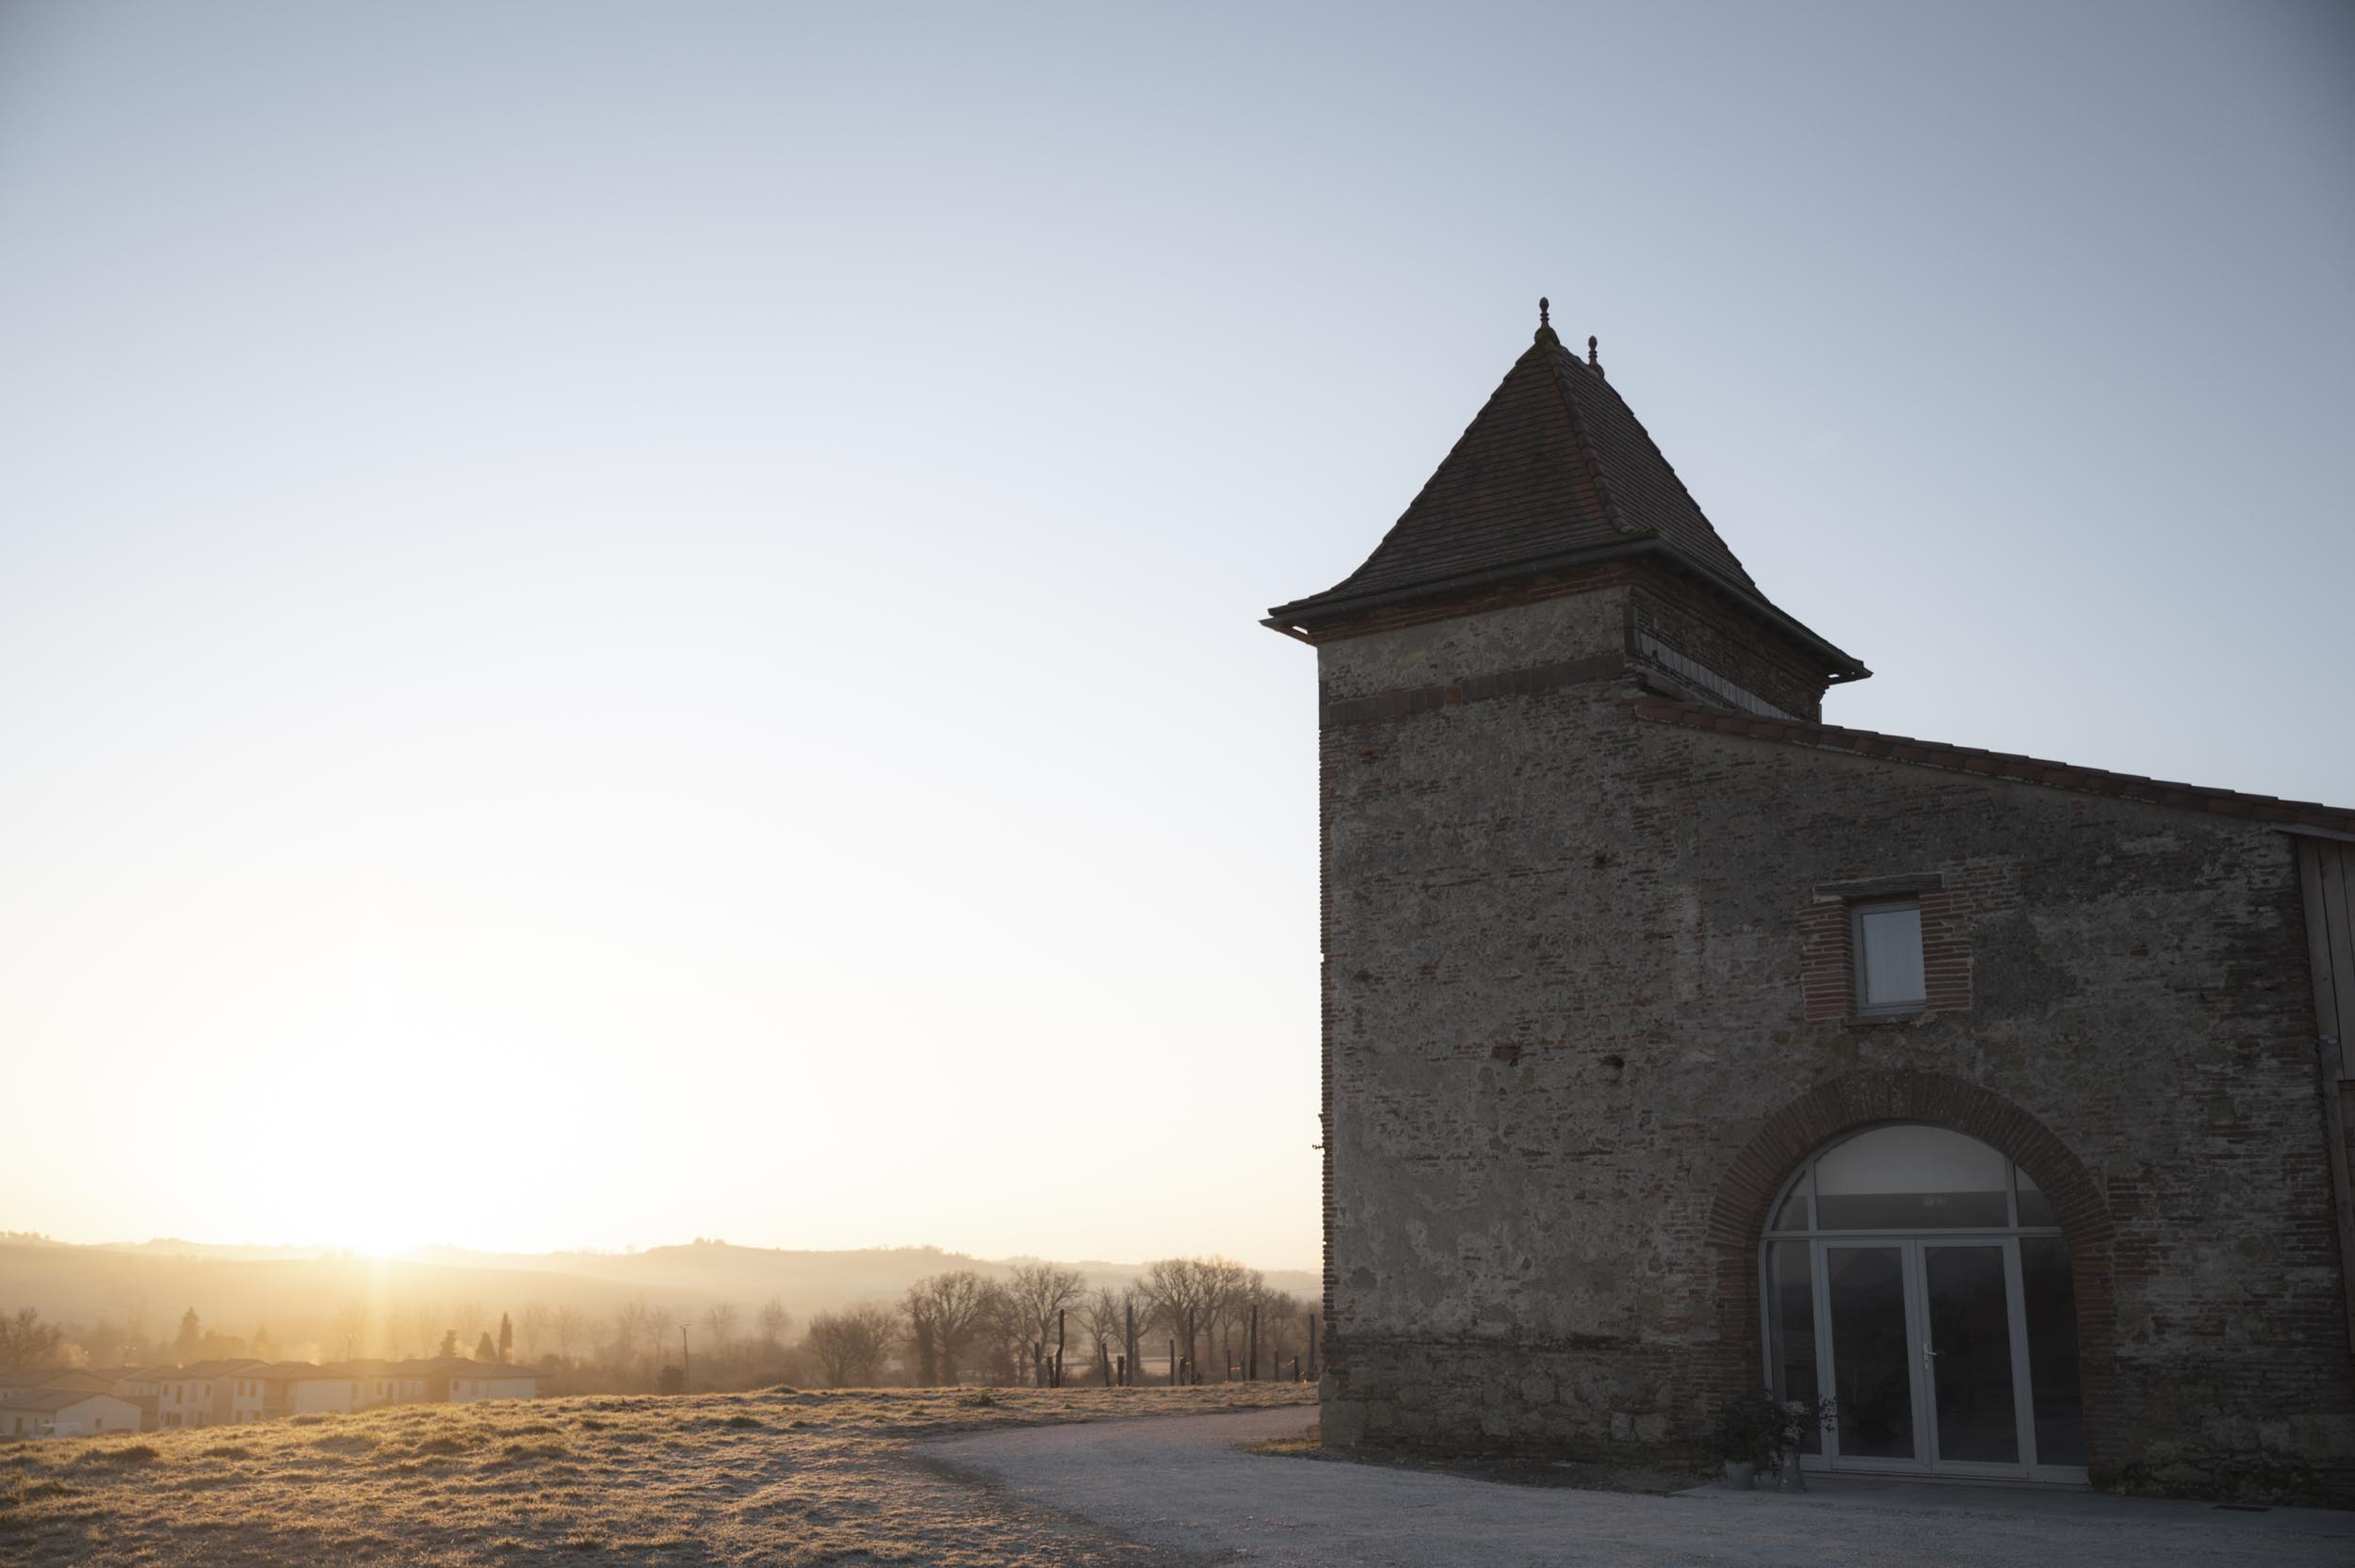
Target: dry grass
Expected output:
[777,1478]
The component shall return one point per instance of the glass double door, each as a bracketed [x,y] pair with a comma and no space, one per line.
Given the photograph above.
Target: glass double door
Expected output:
[1927,1345]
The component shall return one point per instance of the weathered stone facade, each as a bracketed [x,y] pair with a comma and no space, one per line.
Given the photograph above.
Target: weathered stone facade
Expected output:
[1587,1004]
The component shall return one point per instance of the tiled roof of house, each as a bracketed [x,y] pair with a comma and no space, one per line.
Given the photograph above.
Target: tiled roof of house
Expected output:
[468,1367]
[1555,464]
[74,1377]
[205,1369]
[493,1369]
[294,1371]
[49,1398]
[1998,764]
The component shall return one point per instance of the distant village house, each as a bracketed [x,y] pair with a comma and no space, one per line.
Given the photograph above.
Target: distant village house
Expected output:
[64,1413]
[72,1401]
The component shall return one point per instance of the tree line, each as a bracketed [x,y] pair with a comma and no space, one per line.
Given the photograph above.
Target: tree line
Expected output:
[1192,1318]
[1198,1319]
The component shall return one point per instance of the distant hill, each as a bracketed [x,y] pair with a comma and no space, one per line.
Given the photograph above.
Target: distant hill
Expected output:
[172,1246]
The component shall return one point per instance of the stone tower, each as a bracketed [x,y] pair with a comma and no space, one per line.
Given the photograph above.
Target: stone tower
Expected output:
[1598,890]
[1494,963]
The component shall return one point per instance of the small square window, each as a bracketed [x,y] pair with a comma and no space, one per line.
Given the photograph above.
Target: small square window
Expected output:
[1889,975]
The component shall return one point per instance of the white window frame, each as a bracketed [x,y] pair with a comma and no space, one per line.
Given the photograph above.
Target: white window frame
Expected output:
[1808,1231]
[1858,910]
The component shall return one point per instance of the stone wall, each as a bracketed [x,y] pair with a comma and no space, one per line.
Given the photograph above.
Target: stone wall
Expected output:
[1568,1050]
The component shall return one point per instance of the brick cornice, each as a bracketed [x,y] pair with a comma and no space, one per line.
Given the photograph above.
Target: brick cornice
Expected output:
[1738,1211]
[1403,702]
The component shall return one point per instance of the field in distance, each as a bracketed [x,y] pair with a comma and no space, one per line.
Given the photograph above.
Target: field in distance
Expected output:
[780,1477]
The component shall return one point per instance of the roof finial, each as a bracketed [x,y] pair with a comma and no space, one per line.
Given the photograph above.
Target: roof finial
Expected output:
[1544,305]
[1591,358]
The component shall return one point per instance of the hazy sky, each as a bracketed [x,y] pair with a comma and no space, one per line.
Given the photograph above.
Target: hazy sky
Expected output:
[627,620]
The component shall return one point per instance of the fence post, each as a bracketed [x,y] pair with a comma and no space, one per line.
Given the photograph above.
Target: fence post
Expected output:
[1251,1356]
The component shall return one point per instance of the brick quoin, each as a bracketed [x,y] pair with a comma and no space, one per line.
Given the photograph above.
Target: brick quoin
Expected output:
[1828,962]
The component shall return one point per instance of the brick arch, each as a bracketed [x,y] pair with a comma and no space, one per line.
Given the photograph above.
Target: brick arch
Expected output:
[1738,1208]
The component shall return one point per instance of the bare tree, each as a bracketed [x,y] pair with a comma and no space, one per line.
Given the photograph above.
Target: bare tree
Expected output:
[943,1311]
[1105,1312]
[1184,1293]
[532,1329]
[630,1329]
[571,1327]
[1259,1306]
[659,1325]
[850,1345]
[1228,1302]
[187,1347]
[351,1327]
[1036,1293]
[720,1322]
[1284,1324]
[27,1341]
[774,1323]
[918,1316]
[468,1319]
[425,1318]
[1003,1343]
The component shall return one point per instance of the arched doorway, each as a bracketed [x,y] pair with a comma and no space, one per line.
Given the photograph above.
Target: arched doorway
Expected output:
[1928,1274]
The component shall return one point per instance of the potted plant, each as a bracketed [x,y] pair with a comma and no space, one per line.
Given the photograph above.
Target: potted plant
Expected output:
[1746,1431]
[1788,1424]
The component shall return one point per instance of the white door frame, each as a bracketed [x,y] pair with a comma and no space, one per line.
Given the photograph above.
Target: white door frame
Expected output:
[1913,1248]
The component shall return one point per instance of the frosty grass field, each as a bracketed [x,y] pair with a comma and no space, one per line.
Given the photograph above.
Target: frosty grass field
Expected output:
[782,1476]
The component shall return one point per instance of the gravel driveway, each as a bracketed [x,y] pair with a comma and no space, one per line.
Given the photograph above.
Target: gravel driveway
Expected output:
[1180,1483]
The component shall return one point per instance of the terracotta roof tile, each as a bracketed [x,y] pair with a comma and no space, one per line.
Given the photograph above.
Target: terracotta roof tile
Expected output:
[1554,463]
[2005,765]
[50,1399]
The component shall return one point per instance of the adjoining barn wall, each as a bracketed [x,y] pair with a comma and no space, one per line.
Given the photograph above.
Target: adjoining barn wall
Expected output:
[1569,1051]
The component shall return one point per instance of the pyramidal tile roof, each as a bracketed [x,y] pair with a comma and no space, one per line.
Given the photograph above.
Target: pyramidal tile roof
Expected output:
[1555,465]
